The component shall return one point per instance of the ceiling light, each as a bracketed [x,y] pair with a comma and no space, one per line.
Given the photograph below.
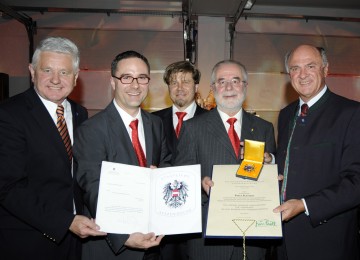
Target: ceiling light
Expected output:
[249,4]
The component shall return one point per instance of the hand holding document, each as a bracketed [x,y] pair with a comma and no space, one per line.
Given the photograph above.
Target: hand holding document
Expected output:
[137,199]
[243,207]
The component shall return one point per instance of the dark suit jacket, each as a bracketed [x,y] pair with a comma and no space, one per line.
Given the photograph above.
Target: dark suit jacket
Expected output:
[204,141]
[325,170]
[167,118]
[36,185]
[104,138]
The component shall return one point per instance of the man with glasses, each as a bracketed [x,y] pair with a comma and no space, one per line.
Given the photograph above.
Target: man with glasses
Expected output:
[205,140]
[109,136]
[183,80]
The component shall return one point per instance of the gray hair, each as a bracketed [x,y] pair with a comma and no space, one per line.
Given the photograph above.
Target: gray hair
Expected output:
[217,65]
[59,45]
[321,51]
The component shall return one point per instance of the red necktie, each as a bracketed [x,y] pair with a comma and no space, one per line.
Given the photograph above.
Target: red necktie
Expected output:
[180,116]
[234,138]
[64,133]
[304,109]
[136,143]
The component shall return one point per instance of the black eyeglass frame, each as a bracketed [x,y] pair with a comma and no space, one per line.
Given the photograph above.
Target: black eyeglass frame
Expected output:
[121,79]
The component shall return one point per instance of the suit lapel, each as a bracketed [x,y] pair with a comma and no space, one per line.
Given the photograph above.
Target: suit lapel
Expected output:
[247,127]
[75,115]
[147,123]
[122,142]
[217,129]
[169,128]
[47,128]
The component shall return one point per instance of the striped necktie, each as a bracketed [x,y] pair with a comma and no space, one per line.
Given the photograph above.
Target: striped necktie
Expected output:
[64,133]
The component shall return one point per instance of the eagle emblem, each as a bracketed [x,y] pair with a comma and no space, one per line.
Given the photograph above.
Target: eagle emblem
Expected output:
[175,194]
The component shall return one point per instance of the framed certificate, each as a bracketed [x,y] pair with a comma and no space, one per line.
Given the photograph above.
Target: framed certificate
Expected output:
[243,207]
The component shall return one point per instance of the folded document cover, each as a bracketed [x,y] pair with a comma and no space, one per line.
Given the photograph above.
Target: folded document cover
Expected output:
[165,201]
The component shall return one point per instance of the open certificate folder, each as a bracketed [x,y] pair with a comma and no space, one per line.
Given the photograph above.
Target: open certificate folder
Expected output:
[136,199]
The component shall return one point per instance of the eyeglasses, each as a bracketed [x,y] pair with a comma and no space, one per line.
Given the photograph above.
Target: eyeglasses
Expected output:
[126,79]
[235,82]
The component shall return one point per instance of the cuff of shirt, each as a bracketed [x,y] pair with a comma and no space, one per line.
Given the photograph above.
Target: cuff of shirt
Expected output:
[272,158]
[306,209]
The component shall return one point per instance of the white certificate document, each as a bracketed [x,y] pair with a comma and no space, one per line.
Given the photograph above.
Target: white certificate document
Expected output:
[241,207]
[136,199]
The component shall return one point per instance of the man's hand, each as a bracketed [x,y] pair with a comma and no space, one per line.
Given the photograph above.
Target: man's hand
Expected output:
[267,158]
[206,184]
[241,150]
[290,209]
[143,241]
[84,227]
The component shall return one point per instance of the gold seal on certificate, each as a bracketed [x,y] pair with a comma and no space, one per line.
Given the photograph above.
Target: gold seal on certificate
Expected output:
[250,167]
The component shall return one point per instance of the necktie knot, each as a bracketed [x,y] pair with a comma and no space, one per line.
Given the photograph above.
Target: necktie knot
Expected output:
[234,138]
[231,121]
[180,116]
[136,143]
[60,110]
[304,109]
[134,124]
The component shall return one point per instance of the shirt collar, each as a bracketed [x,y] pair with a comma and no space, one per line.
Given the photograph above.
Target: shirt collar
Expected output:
[51,106]
[225,117]
[190,110]
[125,116]
[314,99]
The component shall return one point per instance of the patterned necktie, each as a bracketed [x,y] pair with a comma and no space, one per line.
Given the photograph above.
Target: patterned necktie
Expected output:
[234,138]
[64,133]
[180,116]
[136,143]
[304,109]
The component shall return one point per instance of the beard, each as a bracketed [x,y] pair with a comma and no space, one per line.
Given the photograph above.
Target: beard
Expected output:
[180,102]
[229,106]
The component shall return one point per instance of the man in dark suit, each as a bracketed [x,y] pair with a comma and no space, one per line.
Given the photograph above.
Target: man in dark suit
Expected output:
[37,191]
[205,140]
[183,80]
[107,136]
[318,155]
